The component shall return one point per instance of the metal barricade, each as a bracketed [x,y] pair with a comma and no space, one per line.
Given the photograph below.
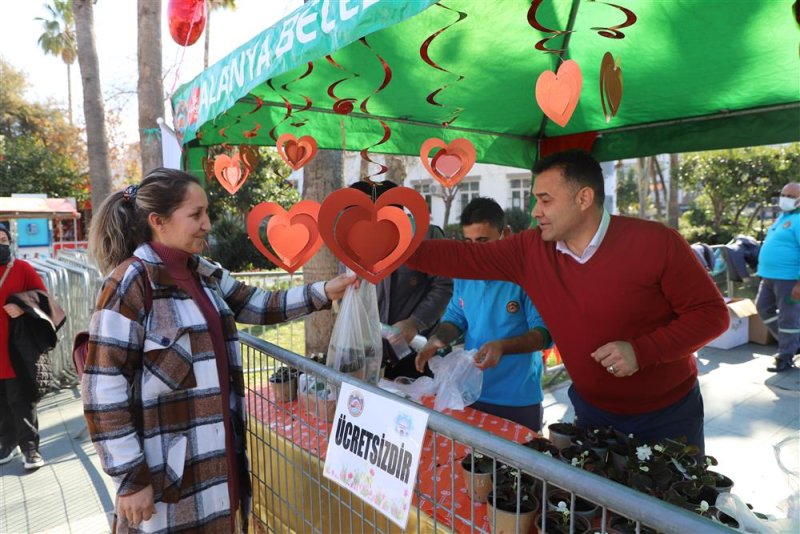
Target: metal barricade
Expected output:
[286,440]
[291,334]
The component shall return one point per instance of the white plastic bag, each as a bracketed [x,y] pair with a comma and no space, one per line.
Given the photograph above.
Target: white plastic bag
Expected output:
[355,340]
[458,380]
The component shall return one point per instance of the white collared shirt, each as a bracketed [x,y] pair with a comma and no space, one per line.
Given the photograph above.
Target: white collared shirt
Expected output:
[593,245]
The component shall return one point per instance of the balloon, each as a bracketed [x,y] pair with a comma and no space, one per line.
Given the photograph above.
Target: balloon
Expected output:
[187,18]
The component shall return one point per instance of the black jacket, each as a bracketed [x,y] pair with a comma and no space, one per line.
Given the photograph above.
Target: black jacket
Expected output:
[31,336]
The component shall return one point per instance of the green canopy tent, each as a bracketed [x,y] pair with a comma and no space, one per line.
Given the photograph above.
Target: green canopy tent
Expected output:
[698,74]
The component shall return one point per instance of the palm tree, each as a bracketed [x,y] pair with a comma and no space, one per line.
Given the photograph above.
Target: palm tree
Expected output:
[93,110]
[150,87]
[58,39]
[214,5]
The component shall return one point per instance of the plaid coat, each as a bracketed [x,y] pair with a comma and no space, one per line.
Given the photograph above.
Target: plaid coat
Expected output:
[151,390]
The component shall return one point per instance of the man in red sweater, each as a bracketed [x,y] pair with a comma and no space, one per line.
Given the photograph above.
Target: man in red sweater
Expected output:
[625,299]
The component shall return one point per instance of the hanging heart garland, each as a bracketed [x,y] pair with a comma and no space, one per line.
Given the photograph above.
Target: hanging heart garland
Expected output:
[293,235]
[558,93]
[296,152]
[231,172]
[373,239]
[451,163]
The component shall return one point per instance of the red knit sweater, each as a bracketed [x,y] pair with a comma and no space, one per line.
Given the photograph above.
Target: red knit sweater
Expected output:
[22,277]
[643,285]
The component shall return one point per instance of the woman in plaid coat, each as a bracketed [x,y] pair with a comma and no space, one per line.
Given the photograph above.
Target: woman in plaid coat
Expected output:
[162,388]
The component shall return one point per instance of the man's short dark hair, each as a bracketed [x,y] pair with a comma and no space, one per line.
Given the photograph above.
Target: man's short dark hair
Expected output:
[579,168]
[373,189]
[484,210]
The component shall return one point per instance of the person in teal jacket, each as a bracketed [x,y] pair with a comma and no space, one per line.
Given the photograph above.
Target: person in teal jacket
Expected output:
[499,321]
[778,299]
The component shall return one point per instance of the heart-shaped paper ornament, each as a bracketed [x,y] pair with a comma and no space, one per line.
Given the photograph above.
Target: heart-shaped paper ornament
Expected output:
[230,172]
[451,163]
[610,85]
[373,239]
[296,152]
[293,235]
[558,93]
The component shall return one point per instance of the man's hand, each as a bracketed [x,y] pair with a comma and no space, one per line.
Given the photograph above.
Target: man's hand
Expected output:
[617,358]
[13,310]
[427,352]
[489,355]
[408,329]
[137,507]
[796,292]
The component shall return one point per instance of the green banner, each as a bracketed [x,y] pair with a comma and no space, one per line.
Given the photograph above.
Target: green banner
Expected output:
[309,33]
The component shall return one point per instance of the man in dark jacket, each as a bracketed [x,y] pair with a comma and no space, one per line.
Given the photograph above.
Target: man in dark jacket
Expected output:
[411,301]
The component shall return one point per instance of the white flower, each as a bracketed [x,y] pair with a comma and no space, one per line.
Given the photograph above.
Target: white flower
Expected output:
[703,506]
[548,453]
[596,430]
[643,453]
[644,468]
[658,447]
[575,461]
[515,473]
[694,477]
[630,435]
[709,463]
[562,507]
[528,436]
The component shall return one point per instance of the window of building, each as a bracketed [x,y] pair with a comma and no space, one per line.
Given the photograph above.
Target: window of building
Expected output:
[469,190]
[425,191]
[519,191]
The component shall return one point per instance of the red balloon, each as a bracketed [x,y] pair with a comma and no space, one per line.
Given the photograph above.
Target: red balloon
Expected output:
[187,18]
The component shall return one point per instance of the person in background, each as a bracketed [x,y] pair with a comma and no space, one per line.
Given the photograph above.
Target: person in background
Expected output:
[500,322]
[778,299]
[625,299]
[162,387]
[410,300]
[19,425]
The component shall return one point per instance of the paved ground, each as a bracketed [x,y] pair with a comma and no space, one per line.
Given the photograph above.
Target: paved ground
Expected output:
[749,413]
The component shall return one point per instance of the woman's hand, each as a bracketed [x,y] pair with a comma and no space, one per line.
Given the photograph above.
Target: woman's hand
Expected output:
[137,507]
[334,288]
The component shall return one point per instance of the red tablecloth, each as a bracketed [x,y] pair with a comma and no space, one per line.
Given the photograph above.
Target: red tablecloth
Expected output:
[440,475]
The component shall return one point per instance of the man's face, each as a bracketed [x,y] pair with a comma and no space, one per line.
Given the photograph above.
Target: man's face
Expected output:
[791,190]
[558,210]
[4,240]
[482,232]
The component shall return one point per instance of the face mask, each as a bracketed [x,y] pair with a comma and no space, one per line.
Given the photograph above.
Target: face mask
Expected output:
[5,254]
[787,203]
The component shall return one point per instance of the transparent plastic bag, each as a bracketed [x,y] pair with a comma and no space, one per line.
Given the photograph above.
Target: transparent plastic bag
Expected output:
[458,380]
[356,346]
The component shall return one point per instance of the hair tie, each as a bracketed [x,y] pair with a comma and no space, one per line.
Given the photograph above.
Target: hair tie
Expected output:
[129,194]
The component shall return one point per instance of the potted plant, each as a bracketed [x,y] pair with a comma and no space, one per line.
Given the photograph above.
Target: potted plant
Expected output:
[512,502]
[284,383]
[599,440]
[559,520]
[623,525]
[561,434]
[542,445]
[583,508]
[477,470]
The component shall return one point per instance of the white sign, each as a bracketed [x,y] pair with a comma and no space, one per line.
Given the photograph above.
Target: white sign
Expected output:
[374,450]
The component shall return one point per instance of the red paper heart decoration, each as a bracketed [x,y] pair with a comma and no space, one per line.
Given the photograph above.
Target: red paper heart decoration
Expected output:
[293,235]
[296,152]
[373,239]
[451,163]
[558,94]
[187,18]
[230,172]
[610,86]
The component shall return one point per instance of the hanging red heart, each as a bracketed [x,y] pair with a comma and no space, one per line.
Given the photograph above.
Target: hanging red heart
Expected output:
[296,152]
[187,18]
[373,239]
[293,235]
[230,172]
[451,163]
[558,94]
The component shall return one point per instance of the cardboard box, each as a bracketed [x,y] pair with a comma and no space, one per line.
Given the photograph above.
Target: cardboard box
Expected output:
[738,332]
[759,332]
